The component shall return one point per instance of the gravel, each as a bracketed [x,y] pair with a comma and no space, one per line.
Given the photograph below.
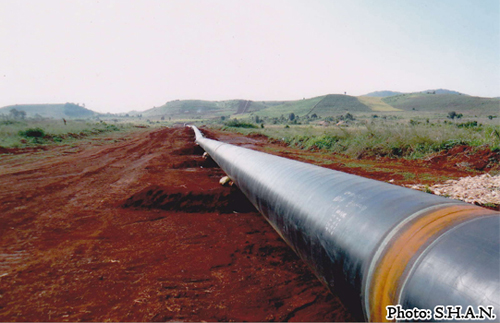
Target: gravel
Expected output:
[482,189]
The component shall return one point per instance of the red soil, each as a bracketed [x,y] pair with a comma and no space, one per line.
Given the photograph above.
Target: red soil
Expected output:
[137,228]
[141,230]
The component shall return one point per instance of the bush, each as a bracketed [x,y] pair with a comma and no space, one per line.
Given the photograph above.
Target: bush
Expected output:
[469,124]
[237,124]
[32,133]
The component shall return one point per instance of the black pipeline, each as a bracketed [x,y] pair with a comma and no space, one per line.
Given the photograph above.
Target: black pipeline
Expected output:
[373,243]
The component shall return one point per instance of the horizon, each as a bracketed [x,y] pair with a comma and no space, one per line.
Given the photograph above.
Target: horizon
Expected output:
[119,56]
[198,99]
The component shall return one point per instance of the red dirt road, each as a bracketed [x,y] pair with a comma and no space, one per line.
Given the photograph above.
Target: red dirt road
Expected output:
[134,229]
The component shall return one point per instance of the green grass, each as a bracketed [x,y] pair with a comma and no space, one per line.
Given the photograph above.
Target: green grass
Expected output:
[17,134]
[444,103]
[234,123]
[414,140]
[408,176]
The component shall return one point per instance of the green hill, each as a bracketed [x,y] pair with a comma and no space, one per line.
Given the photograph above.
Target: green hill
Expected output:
[298,107]
[204,109]
[445,103]
[333,104]
[328,105]
[63,110]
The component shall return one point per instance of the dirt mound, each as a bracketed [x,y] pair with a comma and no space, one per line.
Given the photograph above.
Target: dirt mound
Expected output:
[17,151]
[259,136]
[214,200]
[466,157]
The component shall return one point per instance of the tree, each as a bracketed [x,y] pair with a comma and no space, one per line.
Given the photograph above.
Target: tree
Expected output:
[291,116]
[17,114]
[452,115]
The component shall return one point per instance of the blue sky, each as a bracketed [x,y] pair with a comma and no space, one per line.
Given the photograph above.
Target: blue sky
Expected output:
[116,56]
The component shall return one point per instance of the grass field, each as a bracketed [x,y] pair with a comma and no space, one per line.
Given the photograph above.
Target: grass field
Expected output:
[444,103]
[17,134]
[393,138]
[408,125]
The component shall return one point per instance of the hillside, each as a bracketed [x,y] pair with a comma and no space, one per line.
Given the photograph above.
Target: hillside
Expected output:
[377,104]
[62,110]
[445,103]
[204,109]
[298,107]
[328,105]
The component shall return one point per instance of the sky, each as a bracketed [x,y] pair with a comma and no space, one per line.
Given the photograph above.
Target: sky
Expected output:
[123,55]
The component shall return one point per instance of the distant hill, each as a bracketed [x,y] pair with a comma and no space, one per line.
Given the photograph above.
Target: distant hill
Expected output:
[203,109]
[337,103]
[328,105]
[442,91]
[62,110]
[382,94]
[331,105]
[445,103]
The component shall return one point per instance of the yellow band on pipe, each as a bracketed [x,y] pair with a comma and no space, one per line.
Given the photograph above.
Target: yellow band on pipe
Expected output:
[405,247]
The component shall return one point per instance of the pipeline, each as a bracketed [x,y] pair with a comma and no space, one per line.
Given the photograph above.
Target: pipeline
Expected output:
[374,244]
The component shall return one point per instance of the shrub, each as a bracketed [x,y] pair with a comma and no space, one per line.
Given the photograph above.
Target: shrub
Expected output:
[468,124]
[237,124]
[9,122]
[32,133]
